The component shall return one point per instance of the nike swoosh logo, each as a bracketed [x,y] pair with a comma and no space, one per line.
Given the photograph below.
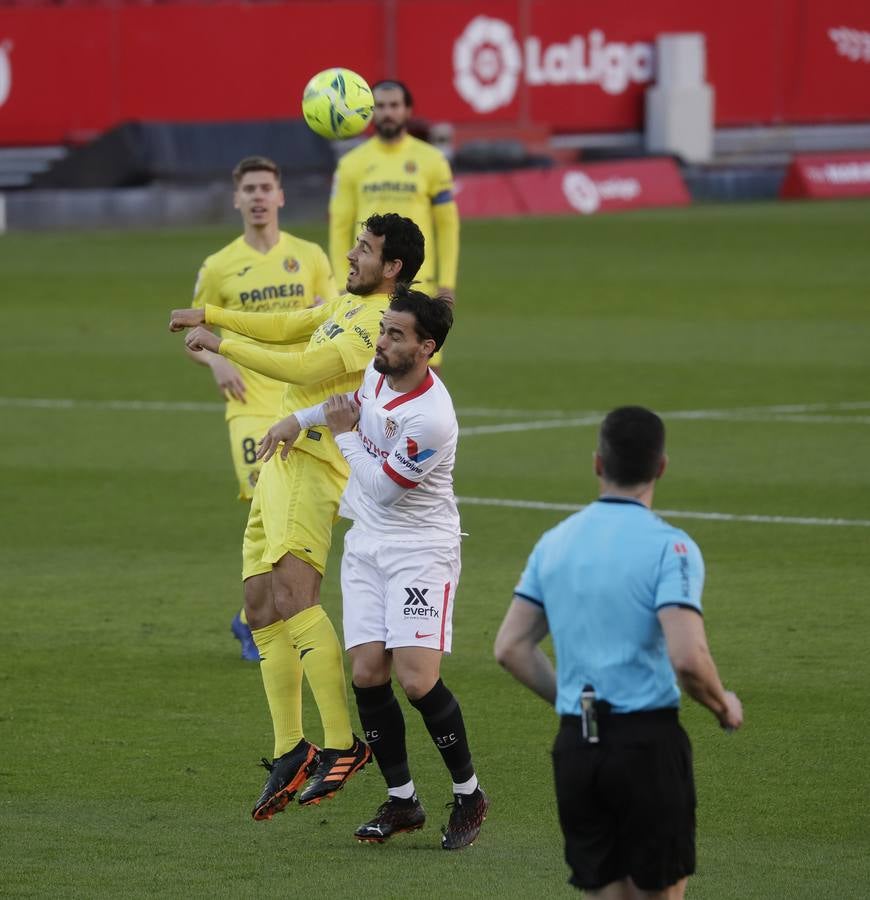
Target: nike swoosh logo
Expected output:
[420,636]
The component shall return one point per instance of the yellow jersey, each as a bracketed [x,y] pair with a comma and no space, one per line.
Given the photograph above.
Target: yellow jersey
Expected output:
[291,276]
[341,339]
[408,177]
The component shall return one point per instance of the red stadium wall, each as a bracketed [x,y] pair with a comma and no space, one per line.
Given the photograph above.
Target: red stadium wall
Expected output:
[69,72]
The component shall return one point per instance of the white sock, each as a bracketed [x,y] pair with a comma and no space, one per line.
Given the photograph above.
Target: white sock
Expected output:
[403,792]
[467,787]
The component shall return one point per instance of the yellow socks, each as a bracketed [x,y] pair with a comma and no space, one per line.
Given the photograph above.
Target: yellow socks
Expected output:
[320,652]
[305,642]
[281,671]
[242,617]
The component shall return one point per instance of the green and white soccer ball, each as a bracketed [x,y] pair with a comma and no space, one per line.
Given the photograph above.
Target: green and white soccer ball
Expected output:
[337,103]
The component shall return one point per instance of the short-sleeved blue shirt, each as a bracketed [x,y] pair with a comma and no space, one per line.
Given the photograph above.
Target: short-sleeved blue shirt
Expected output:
[601,576]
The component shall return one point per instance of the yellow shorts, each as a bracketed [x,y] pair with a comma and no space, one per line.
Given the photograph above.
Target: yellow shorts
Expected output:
[294,508]
[245,434]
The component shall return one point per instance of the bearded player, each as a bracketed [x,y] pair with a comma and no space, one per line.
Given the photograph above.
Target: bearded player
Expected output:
[401,561]
[395,171]
[289,530]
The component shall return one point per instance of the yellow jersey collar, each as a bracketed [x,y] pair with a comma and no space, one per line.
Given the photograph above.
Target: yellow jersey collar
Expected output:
[394,146]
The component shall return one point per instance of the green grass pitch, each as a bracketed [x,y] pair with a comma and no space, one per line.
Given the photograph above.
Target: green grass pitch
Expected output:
[129,728]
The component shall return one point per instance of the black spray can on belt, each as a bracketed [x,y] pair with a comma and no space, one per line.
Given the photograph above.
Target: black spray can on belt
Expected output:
[588,715]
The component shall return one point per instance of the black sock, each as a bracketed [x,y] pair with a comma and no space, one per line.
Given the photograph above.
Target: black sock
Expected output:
[443,718]
[384,724]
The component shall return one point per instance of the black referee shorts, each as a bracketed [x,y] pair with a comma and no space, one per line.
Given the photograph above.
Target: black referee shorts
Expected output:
[627,804]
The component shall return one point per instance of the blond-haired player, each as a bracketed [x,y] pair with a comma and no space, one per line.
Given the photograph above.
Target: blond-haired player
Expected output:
[263,270]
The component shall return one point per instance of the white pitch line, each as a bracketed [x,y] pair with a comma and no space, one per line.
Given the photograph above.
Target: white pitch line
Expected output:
[185,406]
[674,513]
[485,412]
[804,407]
[811,419]
[761,413]
[539,425]
[554,418]
[489,412]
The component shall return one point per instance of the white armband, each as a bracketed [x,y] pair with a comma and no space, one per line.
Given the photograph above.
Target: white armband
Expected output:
[313,415]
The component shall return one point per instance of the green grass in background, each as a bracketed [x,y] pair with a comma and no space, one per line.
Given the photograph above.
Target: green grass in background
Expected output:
[129,729]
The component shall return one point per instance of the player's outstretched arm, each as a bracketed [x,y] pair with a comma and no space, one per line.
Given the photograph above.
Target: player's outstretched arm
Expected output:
[200,338]
[179,319]
[311,366]
[282,327]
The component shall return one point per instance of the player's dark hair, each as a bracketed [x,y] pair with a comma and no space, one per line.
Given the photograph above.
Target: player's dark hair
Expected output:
[255,164]
[433,316]
[403,240]
[391,83]
[631,444]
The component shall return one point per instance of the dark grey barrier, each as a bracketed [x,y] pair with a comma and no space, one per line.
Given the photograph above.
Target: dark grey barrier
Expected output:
[139,153]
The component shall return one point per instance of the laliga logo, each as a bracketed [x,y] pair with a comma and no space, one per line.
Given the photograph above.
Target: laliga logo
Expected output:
[580,192]
[851,43]
[487,63]
[5,71]
[585,195]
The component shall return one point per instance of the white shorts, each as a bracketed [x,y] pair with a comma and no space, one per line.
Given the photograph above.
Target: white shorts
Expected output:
[399,592]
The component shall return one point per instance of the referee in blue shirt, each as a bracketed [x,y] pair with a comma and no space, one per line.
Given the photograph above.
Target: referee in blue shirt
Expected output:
[620,591]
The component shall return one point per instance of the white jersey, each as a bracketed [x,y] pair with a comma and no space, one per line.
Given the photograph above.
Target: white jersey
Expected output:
[401,461]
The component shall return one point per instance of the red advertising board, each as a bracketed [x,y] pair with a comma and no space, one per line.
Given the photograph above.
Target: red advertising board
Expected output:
[583,190]
[827,176]
[75,70]
[487,196]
